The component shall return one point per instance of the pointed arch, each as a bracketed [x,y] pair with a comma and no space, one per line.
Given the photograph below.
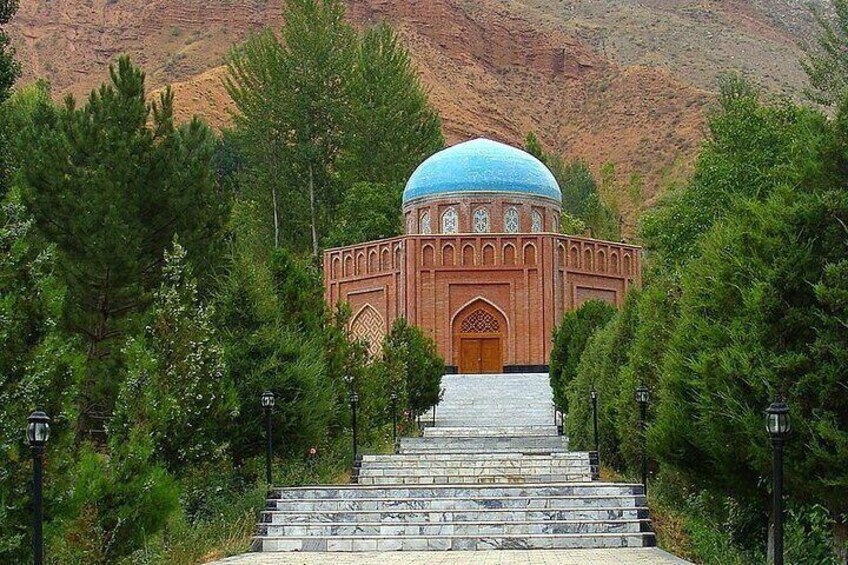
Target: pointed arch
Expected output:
[369,326]
[447,255]
[488,254]
[509,254]
[530,254]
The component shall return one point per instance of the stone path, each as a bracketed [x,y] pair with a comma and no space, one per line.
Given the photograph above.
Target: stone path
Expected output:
[646,556]
[491,474]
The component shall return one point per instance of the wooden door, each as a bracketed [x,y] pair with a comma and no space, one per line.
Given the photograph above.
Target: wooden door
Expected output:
[469,356]
[480,355]
[490,355]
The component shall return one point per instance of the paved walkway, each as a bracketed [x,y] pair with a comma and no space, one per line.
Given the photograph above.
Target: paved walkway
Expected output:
[640,556]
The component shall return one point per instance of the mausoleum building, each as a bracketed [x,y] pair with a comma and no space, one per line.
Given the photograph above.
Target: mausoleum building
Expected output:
[481,268]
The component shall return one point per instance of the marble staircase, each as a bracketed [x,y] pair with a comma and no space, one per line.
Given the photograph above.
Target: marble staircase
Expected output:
[491,474]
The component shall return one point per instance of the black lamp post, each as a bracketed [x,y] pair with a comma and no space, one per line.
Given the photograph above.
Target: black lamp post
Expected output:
[267,400]
[777,425]
[593,395]
[394,399]
[642,396]
[354,400]
[38,432]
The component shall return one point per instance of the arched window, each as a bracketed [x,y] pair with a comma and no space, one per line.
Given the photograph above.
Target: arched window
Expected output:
[511,220]
[536,226]
[481,220]
[425,223]
[555,223]
[410,224]
[450,221]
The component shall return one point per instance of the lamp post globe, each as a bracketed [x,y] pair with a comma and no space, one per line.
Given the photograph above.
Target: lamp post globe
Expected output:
[37,434]
[267,399]
[642,394]
[777,420]
[778,427]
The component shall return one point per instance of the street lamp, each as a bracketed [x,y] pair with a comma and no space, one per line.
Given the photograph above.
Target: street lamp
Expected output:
[394,399]
[38,432]
[593,395]
[777,425]
[354,400]
[267,400]
[642,397]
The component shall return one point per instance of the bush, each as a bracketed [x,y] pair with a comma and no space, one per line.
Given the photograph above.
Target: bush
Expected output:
[570,339]
[411,361]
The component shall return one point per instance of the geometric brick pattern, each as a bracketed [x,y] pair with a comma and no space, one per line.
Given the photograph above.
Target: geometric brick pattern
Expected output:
[480,321]
[369,327]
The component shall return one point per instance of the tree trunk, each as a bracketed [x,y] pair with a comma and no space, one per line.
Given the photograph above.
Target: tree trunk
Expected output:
[840,538]
[312,213]
[276,218]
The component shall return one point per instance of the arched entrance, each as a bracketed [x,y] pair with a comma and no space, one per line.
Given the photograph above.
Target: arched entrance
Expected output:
[479,331]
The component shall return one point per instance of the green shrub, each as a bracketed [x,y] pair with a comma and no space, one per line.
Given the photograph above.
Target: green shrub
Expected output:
[570,339]
[412,361]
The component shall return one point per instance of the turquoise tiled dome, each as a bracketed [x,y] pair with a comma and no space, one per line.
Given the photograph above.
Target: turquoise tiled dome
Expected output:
[481,165]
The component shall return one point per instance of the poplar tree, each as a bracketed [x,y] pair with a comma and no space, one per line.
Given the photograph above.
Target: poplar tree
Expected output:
[110,184]
[293,99]
[395,128]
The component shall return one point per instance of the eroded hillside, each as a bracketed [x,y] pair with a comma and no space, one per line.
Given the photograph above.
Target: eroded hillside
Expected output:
[606,81]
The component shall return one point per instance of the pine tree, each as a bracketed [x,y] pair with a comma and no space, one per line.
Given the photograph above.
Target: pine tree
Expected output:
[9,69]
[110,184]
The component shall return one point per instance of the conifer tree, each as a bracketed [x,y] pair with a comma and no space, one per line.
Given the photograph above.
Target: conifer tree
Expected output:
[9,68]
[9,71]
[110,184]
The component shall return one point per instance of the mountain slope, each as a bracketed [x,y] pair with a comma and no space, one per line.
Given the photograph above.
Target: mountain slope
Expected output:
[605,80]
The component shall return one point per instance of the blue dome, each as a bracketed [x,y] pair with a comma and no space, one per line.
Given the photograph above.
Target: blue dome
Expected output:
[481,165]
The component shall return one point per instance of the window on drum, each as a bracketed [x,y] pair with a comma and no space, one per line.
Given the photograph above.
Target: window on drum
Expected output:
[425,223]
[450,221]
[511,220]
[481,220]
[537,222]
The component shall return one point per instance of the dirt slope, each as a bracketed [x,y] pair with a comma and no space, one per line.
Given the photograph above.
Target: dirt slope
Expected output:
[617,81]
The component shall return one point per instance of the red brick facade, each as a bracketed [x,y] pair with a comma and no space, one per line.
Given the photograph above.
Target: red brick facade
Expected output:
[507,289]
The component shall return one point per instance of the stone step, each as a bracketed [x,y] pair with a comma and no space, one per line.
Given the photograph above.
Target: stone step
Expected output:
[553,503]
[469,529]
[489,431]
[472,479]
[506,515]
[526,445]
[399,493]
[393,515]
[486,459]
[453,543]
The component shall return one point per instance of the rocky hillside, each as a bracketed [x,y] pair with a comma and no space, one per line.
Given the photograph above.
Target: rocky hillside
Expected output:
[620,81]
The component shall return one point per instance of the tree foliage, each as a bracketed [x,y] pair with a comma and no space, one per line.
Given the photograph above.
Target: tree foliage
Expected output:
[570,339]
[109,184]
[421,367]
[321,108]
[826,63]
[744,303]
[583,208]
[367,213]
